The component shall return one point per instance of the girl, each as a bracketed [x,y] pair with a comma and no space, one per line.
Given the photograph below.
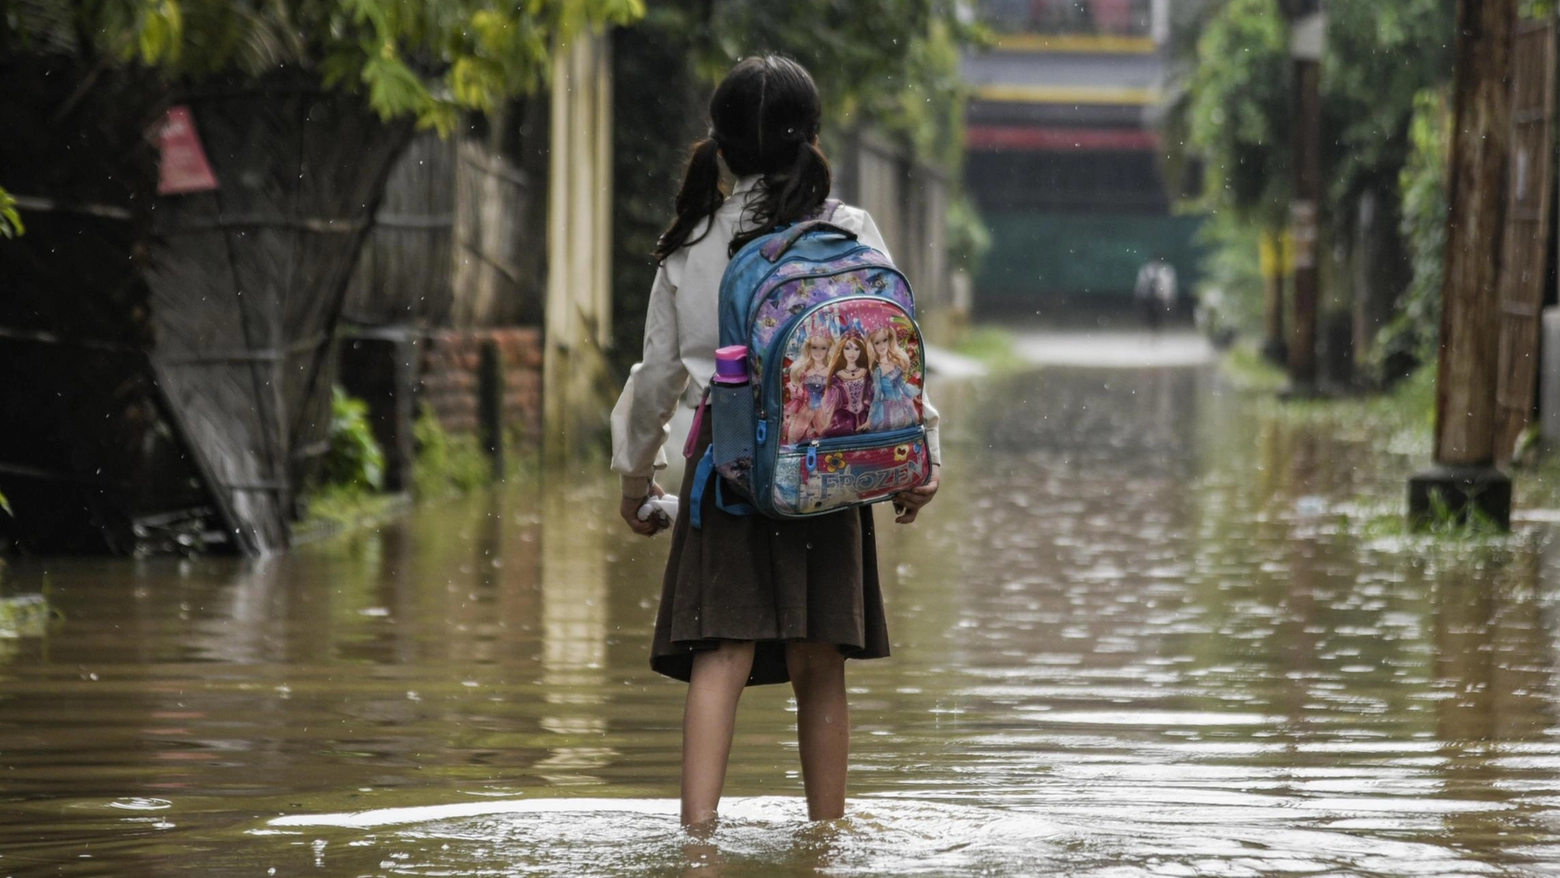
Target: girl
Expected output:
[747,600]
[809,378]
[893,396]
[850,386]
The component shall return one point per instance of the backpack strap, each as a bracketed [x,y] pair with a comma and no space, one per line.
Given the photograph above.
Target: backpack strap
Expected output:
[775,247]
[822,218]
[702,476]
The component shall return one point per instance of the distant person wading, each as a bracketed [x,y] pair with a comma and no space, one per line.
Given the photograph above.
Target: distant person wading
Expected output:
[1155,292]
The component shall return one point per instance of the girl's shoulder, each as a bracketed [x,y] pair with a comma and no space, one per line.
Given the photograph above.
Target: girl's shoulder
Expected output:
[849,216]
[675,266]
[856,219]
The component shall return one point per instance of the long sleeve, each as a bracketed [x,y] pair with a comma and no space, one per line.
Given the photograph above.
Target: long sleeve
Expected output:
[640,420]
[933,434]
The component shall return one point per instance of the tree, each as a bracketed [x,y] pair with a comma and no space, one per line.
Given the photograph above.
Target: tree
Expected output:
[424,58]
[1236,110]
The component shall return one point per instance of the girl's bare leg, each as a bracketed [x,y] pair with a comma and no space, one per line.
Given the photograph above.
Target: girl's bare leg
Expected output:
[709,719]
[822,725]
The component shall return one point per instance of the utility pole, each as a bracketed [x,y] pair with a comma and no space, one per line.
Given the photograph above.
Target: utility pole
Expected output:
[1307,30]
[1464,474]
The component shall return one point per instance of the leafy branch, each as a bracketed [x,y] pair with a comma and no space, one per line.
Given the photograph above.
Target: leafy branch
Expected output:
[426,59]
[10,219]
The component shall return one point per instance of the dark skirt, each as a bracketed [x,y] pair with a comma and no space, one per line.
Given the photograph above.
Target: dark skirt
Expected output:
[767,580]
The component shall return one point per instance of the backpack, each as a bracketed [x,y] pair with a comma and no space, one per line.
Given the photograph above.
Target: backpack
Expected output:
[831,414]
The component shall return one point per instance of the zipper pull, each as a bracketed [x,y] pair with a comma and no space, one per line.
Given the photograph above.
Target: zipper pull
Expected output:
[763,429]
[812,456]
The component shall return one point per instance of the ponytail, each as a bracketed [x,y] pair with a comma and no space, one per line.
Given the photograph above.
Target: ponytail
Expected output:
[794,193]
[698,198]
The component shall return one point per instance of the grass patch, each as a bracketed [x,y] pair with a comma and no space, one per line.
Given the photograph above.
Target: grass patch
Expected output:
[447,464]
[992,347]
[1244,367]
[1536,485]
[1400,421]
[335,508]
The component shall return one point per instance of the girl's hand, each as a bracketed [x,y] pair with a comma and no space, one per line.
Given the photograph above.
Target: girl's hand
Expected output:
[908,503]
[629,509]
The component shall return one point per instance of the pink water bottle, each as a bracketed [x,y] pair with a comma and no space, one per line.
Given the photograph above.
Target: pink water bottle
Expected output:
[731,365]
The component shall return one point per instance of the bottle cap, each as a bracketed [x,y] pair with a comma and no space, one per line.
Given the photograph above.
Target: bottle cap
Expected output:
[731,364]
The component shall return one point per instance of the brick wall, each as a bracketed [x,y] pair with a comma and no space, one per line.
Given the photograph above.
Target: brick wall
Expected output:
[451,361]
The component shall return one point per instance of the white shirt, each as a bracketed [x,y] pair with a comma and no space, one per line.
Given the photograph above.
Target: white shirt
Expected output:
[682,330]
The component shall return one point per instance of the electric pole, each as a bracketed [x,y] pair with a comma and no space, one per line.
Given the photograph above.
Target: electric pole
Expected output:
[1307,30]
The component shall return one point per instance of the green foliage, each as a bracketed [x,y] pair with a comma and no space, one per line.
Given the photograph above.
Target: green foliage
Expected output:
[354,460]
[969,239]
[1244,367]
[1230,286]
[426,59]
[893,63]
[447,464]
[1380,57]
[1238,110]
[1447,522]
[24,616]
[992,346]
[1236,116]
[10,219]
[332,509]
[1414,333]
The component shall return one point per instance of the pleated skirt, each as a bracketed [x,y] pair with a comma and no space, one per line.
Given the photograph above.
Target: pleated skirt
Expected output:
[767,580]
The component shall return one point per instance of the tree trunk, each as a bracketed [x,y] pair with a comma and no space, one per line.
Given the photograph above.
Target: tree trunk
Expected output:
[1465,384]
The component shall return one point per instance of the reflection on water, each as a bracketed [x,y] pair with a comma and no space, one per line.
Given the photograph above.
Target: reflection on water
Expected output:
[1132,638]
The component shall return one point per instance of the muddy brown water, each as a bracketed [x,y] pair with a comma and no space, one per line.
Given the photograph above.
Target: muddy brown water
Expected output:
[1133,637]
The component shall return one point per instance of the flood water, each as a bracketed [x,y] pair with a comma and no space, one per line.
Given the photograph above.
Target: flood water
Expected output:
[1133,637]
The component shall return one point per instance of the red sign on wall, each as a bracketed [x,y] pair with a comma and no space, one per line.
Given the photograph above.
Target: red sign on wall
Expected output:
[184,167]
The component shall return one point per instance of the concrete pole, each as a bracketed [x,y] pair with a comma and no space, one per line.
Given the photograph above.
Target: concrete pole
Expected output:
[1307,33]
[1464,475]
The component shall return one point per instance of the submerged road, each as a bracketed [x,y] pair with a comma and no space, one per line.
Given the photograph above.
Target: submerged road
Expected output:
[1141,633]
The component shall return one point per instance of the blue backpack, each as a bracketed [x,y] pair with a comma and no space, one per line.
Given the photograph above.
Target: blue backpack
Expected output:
[831,415]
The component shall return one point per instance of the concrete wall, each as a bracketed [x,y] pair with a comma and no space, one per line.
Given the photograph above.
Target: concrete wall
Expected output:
[579,248]
[909,203]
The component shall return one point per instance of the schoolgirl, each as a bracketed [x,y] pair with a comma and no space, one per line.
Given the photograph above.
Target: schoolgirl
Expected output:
[749,600]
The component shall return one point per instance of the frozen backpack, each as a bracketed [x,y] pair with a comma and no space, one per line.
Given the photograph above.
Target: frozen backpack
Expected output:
[828,414]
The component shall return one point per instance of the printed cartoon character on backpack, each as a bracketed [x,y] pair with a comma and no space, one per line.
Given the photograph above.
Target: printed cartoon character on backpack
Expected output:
[849,397]
[808,381]
[894,398]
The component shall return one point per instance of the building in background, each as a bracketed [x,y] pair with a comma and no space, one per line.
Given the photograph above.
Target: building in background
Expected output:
[1064,161]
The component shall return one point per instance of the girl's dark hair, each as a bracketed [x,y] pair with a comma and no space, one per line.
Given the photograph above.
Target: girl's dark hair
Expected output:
[764,119]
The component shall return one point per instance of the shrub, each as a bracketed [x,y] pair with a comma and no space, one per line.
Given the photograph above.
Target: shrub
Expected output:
[355,459]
